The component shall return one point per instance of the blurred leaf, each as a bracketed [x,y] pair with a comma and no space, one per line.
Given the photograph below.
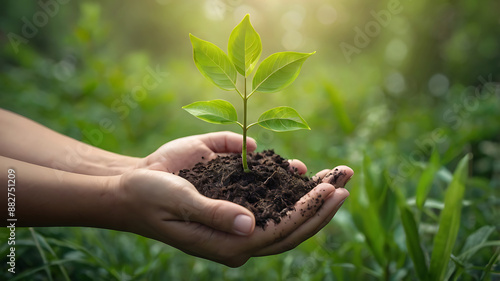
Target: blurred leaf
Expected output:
[244,47]
[82,34]
[410,228]
[429,203]
[475,242]
[413,242]
[369,181]
[339,109]
[489,266]
[453,151]
[425,182]
[445,175]
[388,208]
[449,222]
[477,238]
[476,248]
[37,237]
[278,71]
[379,194]
[28,274]
[369,224]
[282,119]
[367,219]
[214,111]
[213,63]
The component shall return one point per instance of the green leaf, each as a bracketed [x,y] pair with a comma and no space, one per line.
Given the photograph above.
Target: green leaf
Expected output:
[425,182]
[477,238]
[410,227]
[213,63]
[487,269]
[244,47]
[339,110]
[367,220]
[449,222]
[413,242]
[278,71]
[282,119]
[372,189]
[214,111]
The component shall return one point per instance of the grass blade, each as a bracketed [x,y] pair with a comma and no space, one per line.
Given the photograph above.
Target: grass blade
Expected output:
[475,248]
[477,238]
[43,242]
[425,182]
[449,222]
[25,275]
[413,242]
[339,110]
[42,254]
[366,217]
[489,266]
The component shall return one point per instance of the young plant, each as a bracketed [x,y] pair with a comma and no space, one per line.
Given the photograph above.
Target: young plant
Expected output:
[274,74]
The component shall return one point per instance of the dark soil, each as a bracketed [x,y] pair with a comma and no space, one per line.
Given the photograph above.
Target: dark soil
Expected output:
[269,191]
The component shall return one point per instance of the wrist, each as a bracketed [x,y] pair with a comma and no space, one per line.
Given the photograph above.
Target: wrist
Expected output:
[121,164]
[91,201]
[113,203]
[122,209]
[108,164]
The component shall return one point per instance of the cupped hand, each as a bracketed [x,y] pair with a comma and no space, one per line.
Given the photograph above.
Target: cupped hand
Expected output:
[158,204]
[185,152]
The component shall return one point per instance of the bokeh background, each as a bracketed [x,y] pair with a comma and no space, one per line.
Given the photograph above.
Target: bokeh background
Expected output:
[391,82]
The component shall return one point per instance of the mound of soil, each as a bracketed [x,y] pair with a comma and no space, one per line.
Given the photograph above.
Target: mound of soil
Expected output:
[269,191]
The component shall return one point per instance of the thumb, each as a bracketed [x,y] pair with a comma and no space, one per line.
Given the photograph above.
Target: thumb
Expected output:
[221,215]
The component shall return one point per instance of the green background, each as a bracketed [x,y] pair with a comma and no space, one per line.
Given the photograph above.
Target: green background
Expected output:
[391,82]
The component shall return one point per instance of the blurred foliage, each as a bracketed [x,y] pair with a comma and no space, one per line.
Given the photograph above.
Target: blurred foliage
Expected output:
[419,76]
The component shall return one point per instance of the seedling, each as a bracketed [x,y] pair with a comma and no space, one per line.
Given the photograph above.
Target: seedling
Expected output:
[273,74]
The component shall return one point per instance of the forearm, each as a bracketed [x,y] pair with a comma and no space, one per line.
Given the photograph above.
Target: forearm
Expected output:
[30,142]
[47,197]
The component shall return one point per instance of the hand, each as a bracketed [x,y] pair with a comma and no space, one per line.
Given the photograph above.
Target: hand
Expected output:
[167,208]
[185,152]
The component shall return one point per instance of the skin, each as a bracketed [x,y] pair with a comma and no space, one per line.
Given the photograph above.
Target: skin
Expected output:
[146,197]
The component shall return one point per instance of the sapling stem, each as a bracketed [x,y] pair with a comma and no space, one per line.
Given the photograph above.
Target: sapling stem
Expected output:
[245,128]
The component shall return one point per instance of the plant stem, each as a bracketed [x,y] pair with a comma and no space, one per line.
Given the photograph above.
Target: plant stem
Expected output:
[245,128]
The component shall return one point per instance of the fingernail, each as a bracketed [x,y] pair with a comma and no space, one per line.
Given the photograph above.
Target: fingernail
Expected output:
[340,176]
[242,225]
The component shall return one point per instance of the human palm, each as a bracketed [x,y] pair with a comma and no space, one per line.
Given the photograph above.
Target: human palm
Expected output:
[186,152]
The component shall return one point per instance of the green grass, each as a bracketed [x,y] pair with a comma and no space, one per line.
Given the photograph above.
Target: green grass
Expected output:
[425,197]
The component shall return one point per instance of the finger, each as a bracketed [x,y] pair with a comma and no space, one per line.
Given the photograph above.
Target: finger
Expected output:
[220,215]
[339,176]
[330,216]
[227,142]
[191,206]
[321,174]
[304,209]
[202,241]
[324,214]
[297,165]
[343,190]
